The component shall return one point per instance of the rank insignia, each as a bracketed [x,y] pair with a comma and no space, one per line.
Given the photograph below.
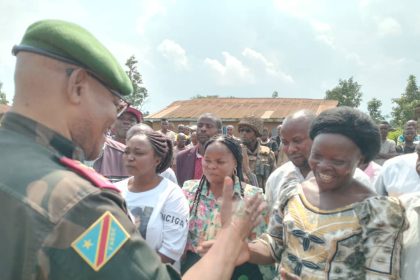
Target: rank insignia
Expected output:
[101,241]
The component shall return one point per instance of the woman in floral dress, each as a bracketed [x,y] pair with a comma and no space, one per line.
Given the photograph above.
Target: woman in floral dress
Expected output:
[222,157]
[332,226]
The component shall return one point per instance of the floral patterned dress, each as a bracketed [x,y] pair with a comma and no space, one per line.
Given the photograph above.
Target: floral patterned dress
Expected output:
[359,241]
[206,223]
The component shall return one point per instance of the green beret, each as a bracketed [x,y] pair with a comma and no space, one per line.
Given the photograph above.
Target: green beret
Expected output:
[73,44]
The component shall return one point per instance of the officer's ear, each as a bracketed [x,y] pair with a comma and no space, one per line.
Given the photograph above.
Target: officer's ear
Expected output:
[76,84]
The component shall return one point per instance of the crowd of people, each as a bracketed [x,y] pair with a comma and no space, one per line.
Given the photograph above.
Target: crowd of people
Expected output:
[102,195]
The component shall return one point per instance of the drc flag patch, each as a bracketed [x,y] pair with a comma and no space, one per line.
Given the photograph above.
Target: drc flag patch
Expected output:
[100,241]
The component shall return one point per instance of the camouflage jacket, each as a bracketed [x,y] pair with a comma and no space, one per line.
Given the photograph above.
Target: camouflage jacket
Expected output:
[56,223]
[261,162]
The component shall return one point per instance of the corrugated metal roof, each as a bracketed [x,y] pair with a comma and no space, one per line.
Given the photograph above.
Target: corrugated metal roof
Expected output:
[236,108]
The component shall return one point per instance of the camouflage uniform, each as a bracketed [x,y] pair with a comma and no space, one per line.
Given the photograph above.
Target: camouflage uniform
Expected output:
[45,206]
[261,162]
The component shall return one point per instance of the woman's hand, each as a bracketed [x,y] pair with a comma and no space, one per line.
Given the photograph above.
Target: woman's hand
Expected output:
[246,216]
[230,248]
[242,221]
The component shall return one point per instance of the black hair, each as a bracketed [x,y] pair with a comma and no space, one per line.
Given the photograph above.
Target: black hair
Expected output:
[352,123]
[236,151]
[162,146]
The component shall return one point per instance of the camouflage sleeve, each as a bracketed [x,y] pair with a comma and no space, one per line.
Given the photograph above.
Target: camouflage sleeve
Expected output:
[95,239]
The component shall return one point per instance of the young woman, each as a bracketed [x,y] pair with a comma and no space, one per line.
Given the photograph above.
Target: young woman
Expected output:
[332,226]
[222,157]
[158,206]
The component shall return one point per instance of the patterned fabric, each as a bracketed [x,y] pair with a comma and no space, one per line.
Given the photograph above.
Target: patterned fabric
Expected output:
[205,225]
[359,241]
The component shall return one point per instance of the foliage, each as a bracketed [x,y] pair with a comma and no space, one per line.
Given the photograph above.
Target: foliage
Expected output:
[374,109]
[140,94]
[275,94]
[347,93]
[406,104]
[393,135]
[3,99]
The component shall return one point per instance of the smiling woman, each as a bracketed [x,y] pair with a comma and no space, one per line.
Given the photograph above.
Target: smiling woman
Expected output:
[158,206]
[335,227]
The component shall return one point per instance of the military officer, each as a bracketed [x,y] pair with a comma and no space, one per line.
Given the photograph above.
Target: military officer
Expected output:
[261,159]
[59,219]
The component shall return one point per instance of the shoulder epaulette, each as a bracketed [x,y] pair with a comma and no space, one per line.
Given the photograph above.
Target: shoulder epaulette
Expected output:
[88,173]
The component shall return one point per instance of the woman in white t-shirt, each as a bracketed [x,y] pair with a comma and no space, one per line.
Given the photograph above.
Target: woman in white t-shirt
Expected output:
[157,205]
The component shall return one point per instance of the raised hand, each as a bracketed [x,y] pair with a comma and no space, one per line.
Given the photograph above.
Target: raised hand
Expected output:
[245,216]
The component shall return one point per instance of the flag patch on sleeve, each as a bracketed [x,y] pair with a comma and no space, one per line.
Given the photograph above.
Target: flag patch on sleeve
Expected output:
[99,243]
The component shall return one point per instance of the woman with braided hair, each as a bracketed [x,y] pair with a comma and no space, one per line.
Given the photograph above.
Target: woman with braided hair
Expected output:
[222,157]
[158,206]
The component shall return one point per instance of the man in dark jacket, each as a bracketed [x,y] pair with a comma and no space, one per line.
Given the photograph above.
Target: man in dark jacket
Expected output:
[188,162]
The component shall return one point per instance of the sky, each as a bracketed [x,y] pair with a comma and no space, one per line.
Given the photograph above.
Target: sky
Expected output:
[241,48]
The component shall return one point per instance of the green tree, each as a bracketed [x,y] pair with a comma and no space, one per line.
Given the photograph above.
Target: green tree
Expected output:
[393,135]
[405,105]
[3,99]
[347,93]
[140,93]
[374,109]
[275,94]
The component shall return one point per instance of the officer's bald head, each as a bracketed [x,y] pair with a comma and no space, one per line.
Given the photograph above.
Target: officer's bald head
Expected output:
[34,73]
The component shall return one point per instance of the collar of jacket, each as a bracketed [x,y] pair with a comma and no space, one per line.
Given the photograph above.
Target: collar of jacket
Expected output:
[42,135]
